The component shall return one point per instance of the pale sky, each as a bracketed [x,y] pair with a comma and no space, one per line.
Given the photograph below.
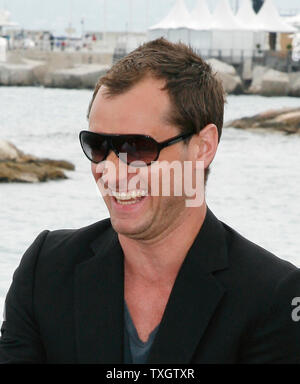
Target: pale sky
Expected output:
[120,15]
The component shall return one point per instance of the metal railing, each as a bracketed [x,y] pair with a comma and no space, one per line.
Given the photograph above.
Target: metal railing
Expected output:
[279,60]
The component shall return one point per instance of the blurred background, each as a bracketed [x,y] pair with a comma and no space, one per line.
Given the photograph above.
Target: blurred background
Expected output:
[51,55]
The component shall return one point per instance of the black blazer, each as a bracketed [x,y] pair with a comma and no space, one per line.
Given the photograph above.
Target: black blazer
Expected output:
[231,302]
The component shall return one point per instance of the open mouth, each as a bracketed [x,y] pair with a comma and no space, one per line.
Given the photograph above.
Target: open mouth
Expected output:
[128,198]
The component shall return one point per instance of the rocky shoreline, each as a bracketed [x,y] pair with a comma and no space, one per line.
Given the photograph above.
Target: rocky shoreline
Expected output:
[28,72]
[286,120]
[16,166]
[264,81]
[33,73]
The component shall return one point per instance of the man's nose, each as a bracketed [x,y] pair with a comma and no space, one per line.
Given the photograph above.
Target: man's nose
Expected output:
[112,157]
[116,172]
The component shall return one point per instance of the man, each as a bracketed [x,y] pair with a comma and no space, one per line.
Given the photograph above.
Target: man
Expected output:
[160,281]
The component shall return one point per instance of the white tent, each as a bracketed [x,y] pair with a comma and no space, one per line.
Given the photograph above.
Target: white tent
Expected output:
[255,35]
[3,47]
[221,33]
[224,19]
[202,22]
[228,33]
[201,17]
[5,19]
[270,19]
[247,17]
[175,26]
[294,21]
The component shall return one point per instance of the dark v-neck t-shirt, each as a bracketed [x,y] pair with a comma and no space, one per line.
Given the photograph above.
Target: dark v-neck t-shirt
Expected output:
[135,350]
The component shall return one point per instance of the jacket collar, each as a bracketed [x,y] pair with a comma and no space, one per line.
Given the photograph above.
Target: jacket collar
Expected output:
[99,299]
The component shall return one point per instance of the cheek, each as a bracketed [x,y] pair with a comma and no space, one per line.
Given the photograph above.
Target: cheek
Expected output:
[93,169]
[96,171]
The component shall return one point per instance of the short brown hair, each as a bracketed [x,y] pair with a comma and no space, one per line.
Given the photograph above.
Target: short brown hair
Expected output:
[197,96]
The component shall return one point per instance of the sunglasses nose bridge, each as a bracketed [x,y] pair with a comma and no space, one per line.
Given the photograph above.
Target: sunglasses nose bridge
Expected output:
[111,147]
[116,151]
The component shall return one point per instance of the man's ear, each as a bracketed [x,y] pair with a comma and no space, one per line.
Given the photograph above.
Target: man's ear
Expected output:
[206,144]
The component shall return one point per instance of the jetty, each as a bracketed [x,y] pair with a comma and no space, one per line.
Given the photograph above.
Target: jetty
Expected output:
[16,166]
[286,120]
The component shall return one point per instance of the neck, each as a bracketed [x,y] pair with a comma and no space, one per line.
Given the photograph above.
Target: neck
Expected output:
[159,259]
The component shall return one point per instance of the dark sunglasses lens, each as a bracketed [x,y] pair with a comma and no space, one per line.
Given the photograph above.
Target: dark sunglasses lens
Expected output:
[137,148]
[94,146]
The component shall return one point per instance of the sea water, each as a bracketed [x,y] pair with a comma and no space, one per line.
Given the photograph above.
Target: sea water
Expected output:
[254,185]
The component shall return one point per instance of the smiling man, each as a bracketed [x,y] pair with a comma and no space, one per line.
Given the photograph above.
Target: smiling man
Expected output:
[159,281]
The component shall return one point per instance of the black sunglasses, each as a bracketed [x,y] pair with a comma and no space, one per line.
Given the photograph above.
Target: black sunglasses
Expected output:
[96,146]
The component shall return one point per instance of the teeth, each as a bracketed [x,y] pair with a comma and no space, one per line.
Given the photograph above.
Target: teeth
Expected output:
[123,196]
[126,202]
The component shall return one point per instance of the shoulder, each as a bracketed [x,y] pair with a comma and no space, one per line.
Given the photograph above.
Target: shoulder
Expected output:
[249,258]
[62,238]
[258,279]
[64,247]
[265,290]
[74,245]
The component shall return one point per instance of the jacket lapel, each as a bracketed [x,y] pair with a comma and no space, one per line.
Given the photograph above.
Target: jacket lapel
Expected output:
[99,302]
[188,312]
[194,298]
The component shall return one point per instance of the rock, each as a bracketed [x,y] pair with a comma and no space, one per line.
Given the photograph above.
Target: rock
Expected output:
[275,83]
[17,166]
[269,82]
[289,122]
[294,79]
[31,72]
[22,73]
[221,67]
[17,74]
[8,151]
[84,76]
[59,164]
[257,75]
[39,73]
[29,172]
[285,120]
[272,113]
[232,83]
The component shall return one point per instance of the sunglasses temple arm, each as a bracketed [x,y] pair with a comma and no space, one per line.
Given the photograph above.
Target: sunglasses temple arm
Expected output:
[175,140]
